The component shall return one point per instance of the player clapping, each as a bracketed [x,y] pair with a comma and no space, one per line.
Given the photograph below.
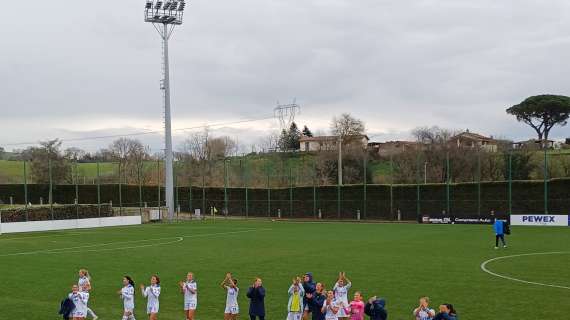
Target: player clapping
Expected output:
[152,293]
[190,290]
[232,308]
[80,299]
[127,294]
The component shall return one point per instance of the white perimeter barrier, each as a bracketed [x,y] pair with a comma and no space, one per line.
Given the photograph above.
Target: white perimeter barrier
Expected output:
[32,226]
[540,220]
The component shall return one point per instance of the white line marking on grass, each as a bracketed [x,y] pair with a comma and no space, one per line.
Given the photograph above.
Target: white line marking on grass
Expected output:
[484,268]
[86,248]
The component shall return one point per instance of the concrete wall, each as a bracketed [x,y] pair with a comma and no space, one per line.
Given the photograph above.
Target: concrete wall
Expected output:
[32,226]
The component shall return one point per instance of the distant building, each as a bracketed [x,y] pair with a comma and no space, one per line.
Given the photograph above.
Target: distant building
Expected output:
[390,148]
[533,144]
[470,140]
[328,143]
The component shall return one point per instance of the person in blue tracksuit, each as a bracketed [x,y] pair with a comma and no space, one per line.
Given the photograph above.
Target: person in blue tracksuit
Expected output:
[309,286]
[499,228]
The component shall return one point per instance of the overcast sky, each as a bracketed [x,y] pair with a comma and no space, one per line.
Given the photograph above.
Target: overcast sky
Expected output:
[72,69]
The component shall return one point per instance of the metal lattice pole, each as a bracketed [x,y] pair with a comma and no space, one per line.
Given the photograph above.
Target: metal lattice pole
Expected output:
[164,16]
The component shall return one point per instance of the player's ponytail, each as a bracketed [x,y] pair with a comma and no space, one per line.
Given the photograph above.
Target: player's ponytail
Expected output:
[130,280]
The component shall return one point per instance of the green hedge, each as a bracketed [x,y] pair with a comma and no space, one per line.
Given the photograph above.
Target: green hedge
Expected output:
[56,212]
[382,201]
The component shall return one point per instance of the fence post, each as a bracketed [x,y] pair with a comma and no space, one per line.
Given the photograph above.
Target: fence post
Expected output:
[545,180]
[447,185]
[268,190]
[26,190]
[76,190]
[225,186]
[510,183]
[139,178]
[290,191]
[314,189]
[391,187]
[204,189]
[120,192]
[190,193]
[98,190]
[50,189]
[158,185]
[418,195]
[365,185]
[244,170]
[176,194]
[479,183]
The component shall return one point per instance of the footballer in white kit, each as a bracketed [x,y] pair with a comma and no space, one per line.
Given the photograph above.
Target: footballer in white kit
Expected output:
[80,299]
[127,294]
[152,293]
[190,295]
[232,306]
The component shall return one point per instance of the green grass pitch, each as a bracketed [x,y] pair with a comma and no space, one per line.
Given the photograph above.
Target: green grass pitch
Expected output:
[397,261]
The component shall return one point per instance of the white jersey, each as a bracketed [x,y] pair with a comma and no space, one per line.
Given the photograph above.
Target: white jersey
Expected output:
[80,300]
[232,297]
[341,293]
[152,293]
[190,297]
[424,314]
[128,296]
[329,314]
[83,283]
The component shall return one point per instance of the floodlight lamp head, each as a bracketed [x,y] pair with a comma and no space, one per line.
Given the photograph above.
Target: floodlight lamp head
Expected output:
[164,12]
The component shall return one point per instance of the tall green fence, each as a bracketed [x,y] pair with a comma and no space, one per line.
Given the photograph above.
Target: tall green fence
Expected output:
[298,186]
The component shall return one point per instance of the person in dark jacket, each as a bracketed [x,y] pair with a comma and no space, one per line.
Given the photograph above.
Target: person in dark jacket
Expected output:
[446,312]
[66,308]
[315,302]
[499,228]
[376,309]
[309,286]
[256,295]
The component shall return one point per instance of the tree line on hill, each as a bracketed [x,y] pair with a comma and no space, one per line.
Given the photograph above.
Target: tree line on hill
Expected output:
[200,154]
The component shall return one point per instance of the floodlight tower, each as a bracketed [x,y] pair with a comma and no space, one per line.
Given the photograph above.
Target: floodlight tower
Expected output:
[164,16]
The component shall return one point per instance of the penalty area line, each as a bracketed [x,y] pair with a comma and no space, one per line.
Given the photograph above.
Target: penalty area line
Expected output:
[485,269]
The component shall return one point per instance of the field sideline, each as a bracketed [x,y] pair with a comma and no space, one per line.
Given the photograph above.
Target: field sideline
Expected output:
[396,261]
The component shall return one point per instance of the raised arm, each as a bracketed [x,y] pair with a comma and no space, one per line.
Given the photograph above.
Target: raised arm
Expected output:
[144,291]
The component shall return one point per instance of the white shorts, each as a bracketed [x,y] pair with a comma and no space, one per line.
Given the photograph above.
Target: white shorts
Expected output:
[294,315]
[307,308]
[79,313]
[232,310]
[190,305]
[152,309]
[342,313]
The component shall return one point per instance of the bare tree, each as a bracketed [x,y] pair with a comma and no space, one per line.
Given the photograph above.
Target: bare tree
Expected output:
[346,126]
[131,155]
[74,153]
[433,135]
[269,142]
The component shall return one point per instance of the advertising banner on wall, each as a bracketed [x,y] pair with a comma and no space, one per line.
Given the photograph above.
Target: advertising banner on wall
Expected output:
[457,220]
[540,220]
